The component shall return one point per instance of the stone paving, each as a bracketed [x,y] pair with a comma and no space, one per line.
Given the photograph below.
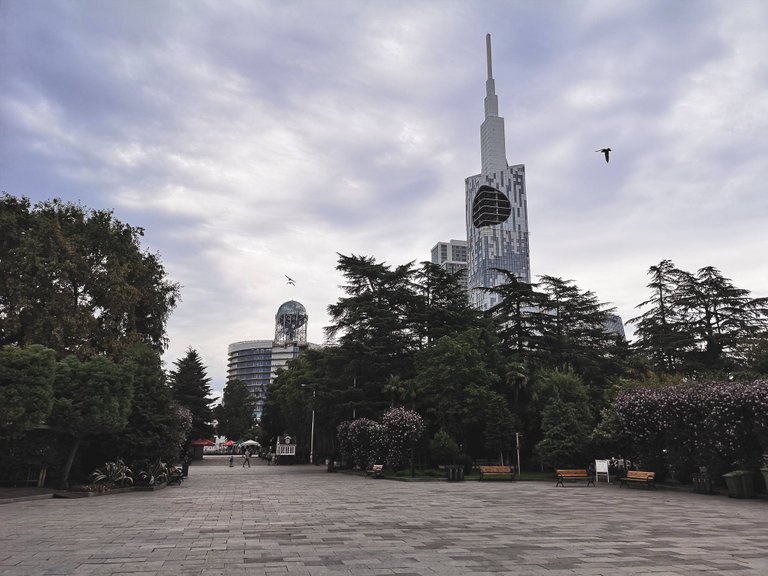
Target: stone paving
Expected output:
[303,520]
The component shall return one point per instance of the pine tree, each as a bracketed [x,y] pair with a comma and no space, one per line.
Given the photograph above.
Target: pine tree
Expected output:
[190,386]
[236,413]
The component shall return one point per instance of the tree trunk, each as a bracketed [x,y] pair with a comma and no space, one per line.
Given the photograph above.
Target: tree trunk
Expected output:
[68,465]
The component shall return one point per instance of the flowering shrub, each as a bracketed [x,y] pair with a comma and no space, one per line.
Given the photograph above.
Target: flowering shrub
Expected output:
[365,442]
[720,425]
[402,429]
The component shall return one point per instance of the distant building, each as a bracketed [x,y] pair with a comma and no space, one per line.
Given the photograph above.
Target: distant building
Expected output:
[496,209]
[256,362]
[452,257]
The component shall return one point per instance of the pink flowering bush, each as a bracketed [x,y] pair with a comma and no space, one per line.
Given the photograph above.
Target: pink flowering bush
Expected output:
[720,425]
[365,442]
[403,428]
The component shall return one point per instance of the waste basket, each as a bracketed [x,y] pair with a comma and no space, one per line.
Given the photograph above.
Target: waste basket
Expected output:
[740,484]
[454,473]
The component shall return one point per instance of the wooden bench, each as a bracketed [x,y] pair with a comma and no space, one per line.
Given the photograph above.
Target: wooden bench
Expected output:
[375,471]
[638,477]
[486,471]
[574,475]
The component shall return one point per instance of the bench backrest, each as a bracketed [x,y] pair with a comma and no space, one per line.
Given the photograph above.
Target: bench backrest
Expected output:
[377,467]
[640,475]
[572,473]
[496,469]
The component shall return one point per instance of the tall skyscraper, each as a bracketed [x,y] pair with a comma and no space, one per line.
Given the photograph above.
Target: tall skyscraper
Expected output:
[496,209]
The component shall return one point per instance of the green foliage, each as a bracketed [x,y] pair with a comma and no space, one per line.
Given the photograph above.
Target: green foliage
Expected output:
[113,474]
[151,473]
[191,388]
[700,323]
[91,397]
[26,386]
[566,419]
[443,449]
[153,431]
[236,413]
[76,280]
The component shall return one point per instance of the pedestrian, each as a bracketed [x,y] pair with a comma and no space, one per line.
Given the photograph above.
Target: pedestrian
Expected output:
[231,460]
[247,459]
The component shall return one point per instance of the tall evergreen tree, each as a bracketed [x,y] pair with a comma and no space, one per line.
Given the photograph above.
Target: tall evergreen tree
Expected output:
[661,332]
[236,414]
[191,388]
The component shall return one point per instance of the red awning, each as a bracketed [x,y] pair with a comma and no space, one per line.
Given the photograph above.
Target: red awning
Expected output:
[229,443]
[203,442]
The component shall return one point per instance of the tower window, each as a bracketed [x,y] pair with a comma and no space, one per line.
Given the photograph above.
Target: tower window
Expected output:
[490,207]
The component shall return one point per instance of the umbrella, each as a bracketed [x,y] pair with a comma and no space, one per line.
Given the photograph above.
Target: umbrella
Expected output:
[229,443]
[203,442]
[250,443]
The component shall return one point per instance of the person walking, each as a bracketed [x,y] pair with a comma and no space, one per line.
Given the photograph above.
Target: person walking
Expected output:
[247,459]
[231,460]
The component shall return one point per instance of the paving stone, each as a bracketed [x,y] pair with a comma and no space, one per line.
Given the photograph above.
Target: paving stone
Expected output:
[301,520]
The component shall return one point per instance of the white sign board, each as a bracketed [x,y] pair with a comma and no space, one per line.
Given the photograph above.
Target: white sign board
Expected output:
[601,467]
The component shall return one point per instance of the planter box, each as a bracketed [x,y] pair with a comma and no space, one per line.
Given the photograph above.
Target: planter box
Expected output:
[150,488]
[740,484]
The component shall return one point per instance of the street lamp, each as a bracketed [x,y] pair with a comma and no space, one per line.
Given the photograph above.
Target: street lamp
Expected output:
[312,433]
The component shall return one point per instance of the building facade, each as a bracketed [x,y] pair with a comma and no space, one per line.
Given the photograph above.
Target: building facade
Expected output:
[496,209]
[256,362]
[452,257]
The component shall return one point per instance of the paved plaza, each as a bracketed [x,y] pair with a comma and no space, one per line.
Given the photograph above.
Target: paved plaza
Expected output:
[304,520]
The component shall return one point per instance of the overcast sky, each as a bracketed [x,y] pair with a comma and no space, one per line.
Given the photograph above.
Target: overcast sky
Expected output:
[254,140]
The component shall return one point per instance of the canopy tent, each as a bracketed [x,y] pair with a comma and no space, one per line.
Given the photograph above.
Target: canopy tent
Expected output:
[250,443]
[203,442]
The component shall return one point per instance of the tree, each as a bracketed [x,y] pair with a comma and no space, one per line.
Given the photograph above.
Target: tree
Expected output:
[566,418]
[236,413]
[191,388]
[661,332]
[90,397]
[26,386]
[153,430]
[76,280]
[699,322]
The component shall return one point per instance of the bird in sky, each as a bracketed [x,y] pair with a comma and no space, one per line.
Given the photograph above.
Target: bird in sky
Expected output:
[605,151]
[291,281]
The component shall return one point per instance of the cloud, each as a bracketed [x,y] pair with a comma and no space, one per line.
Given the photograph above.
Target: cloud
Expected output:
[254,140]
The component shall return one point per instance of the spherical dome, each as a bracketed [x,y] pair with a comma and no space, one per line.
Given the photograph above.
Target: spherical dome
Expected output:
[292,307]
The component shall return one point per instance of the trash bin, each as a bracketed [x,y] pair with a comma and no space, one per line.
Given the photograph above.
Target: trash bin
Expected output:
[454,473]
[702,482]
[740,484]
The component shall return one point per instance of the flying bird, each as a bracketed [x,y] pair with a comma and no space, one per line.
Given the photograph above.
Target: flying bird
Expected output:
[605,151]
[291,281]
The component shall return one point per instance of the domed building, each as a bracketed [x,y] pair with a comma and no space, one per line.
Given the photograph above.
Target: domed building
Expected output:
[256,362]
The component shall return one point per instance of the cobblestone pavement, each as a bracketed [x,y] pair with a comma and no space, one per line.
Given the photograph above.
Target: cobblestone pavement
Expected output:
[303,520]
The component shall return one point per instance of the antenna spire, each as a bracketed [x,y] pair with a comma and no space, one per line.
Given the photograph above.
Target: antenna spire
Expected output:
[488,51]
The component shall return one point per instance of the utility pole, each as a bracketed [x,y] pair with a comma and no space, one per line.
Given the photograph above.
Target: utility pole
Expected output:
[517,443]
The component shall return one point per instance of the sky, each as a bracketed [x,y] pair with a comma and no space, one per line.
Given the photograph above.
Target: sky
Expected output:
[258,139]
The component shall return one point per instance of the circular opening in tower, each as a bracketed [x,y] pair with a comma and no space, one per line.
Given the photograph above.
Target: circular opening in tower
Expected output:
[490,207]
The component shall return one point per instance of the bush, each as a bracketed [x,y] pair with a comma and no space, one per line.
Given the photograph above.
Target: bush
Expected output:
[720,425]
[443,449]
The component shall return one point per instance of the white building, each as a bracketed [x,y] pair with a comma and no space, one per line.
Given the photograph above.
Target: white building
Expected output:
[256,362]
[452,257]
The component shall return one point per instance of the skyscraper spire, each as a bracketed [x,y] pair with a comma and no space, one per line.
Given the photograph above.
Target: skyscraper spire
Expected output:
[496,209]
[492,147]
